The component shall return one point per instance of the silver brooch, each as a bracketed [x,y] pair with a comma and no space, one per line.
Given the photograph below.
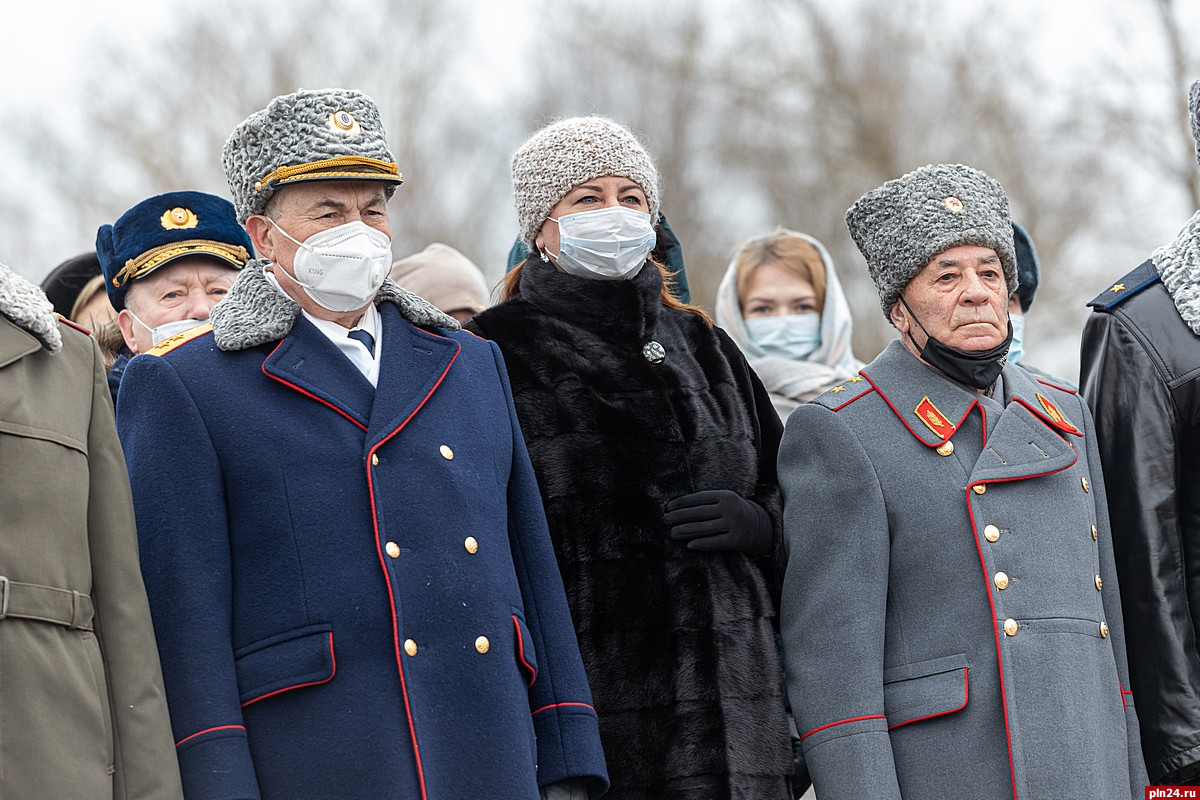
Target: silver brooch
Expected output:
[654,352]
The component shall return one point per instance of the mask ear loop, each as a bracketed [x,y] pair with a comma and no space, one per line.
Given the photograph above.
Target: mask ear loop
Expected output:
[916,319]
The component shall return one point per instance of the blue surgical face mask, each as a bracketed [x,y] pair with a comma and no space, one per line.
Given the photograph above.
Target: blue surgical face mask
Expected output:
[793,336]
[1017,349]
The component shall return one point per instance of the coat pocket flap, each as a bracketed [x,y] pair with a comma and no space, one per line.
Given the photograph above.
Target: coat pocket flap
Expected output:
[926,689]
[290,660]
[525,654]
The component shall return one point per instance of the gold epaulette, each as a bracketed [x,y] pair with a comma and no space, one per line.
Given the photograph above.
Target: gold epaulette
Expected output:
[170,343]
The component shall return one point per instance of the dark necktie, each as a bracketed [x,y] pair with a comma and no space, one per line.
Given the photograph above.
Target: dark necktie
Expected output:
[367,339]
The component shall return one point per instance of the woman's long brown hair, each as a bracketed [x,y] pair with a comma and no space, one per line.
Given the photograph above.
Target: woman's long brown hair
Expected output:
[510,286]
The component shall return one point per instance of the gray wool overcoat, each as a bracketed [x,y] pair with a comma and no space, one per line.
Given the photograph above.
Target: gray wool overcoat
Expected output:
[950,615]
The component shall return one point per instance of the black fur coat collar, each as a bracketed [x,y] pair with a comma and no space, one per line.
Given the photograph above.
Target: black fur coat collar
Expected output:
[678,645]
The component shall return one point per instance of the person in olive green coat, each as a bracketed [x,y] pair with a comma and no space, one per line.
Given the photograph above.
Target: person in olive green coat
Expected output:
[83,714]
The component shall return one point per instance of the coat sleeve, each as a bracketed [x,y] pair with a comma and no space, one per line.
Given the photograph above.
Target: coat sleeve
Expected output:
[564,720]
[182,532]
[834,605]
[1136,434]
[143,756]
[1111,597]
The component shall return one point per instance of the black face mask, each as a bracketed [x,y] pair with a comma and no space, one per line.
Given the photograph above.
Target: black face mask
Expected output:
[975,368]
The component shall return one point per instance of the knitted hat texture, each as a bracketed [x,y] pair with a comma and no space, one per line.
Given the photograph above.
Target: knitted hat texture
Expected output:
[567,153]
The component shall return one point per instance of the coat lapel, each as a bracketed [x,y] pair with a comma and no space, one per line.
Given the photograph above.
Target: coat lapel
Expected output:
[412,366]
[306,361]
[15,342]
[1031,437]
[930,406]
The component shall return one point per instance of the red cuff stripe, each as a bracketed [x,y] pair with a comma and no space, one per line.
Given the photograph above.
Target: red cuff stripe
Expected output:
[210,730]
[841,722]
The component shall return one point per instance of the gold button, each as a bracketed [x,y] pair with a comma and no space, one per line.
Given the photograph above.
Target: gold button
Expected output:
[1103,629]
[410,647]
[1094,533]
[482,644]
[446,452]
[991,533]
[1085,484]
[374,459]
[471,545]
[945,448]
[1010,627]
[392,549]
[980,489]
[1001,580]
[1099,583]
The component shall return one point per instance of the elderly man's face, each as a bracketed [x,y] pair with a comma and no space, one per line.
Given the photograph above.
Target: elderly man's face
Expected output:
[187,288]
[961,299]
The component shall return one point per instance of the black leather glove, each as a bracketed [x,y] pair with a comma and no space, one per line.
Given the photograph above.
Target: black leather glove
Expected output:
[718,519]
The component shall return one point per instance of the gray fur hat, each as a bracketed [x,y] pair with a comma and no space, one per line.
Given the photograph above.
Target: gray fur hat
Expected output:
[1194,105]
[310,135]
[904,223]
[569,152]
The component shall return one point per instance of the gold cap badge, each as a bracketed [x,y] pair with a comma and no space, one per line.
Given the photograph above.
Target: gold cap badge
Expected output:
[179,219]
[345,123]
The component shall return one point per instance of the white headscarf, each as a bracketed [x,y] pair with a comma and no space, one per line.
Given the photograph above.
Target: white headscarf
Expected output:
[789,381]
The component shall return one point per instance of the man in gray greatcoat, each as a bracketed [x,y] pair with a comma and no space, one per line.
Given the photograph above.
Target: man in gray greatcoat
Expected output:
[950,614]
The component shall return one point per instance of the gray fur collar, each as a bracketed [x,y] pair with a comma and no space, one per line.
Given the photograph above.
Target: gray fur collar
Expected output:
[254,313]
[28,308]
[1179,265]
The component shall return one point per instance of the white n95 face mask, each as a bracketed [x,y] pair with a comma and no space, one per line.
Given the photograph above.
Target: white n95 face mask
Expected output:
[607,244]
[793,336]
[341,268]
[167,329]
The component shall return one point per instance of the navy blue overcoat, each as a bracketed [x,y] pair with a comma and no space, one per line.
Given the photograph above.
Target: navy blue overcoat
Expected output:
[353,590]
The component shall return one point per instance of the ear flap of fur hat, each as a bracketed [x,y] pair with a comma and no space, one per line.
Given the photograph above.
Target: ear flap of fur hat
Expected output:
[572,151]
[904,223]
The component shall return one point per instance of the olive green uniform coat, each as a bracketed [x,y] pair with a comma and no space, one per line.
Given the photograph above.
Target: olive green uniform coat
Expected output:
[82,710]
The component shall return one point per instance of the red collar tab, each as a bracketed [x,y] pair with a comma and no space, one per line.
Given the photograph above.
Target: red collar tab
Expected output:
[1056,416]
[934,419]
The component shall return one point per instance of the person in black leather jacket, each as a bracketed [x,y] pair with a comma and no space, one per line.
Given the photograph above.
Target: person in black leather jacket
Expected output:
[1140,375]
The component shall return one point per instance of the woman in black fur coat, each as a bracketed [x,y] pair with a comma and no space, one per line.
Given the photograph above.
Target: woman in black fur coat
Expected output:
[654,446]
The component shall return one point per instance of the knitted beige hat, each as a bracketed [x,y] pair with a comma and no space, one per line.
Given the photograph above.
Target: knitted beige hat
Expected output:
[567,153]
[444,277]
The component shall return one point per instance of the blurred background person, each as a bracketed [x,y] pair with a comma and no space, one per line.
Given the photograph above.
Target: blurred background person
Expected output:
[782,303]
[84,713]
[444,277]
[76,289]
[166,262]
[654,447]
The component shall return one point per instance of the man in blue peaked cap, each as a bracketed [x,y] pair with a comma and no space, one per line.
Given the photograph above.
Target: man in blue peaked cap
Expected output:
[166,262]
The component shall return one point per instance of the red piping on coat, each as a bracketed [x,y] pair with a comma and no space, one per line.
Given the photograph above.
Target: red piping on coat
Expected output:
[307,394]
[521,651]
[412,730]
[560,705]
[904,421]
[842,721]
[332,672]
[72,324]
[852,399]
[1048,422]
[966,697]
[1123,693]
[1041,379]
[210,730]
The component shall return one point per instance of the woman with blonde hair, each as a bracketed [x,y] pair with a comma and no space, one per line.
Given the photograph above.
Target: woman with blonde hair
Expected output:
[782,303]
[654,447]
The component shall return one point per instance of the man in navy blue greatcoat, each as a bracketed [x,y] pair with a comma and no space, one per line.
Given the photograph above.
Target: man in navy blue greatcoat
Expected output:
[352,583]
